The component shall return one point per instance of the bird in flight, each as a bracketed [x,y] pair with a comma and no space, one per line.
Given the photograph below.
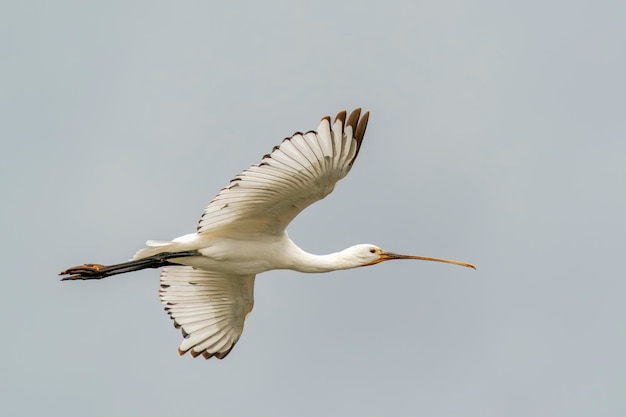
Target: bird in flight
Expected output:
[207,283]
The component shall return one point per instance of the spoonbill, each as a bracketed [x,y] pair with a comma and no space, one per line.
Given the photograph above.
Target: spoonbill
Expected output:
[207,284]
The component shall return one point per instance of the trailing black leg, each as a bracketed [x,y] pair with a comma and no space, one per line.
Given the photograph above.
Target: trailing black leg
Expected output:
[97,271]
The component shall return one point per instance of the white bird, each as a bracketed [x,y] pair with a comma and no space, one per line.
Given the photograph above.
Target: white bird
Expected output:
[207,284]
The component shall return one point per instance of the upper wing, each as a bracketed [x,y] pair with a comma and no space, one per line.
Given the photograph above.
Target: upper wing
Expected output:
[300,171]
[209,307]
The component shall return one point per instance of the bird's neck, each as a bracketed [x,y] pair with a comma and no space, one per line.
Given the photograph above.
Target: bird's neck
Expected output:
[308,262]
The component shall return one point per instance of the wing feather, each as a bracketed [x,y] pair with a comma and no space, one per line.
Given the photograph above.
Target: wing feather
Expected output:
[209,307]
[300,171]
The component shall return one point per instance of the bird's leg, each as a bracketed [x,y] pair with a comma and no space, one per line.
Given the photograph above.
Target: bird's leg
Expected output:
[97,271]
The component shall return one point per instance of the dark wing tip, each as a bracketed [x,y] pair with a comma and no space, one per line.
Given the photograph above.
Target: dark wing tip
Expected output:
[357,122]
[354,119]
[361,126]
[205,354]
[222,355]
[341,116]
[359,131]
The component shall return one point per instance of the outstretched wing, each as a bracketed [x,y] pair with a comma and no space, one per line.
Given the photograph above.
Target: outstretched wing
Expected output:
[209,307]
[300,171]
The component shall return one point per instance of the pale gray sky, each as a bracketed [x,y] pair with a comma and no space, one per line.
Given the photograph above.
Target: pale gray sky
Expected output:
[497,136]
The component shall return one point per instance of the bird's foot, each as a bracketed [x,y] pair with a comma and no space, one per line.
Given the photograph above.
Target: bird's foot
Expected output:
[84,271]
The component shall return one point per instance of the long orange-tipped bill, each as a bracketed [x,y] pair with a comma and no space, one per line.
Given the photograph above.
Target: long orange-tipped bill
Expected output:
[387,256]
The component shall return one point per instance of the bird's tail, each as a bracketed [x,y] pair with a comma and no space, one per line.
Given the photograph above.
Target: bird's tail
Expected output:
[154,248]
[180,244]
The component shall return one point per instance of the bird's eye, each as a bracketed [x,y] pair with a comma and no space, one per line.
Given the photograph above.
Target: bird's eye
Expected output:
[372,250]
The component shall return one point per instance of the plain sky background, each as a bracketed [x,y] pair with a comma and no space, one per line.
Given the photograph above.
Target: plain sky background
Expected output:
[497,136]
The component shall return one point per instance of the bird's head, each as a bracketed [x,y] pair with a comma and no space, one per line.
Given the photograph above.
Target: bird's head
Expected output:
[367,255]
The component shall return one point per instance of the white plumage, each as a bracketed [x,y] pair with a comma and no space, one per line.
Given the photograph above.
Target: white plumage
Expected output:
[208,281]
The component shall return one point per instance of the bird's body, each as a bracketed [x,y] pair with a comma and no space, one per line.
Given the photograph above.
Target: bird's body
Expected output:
[208,280]
[255,255]
[230,255]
